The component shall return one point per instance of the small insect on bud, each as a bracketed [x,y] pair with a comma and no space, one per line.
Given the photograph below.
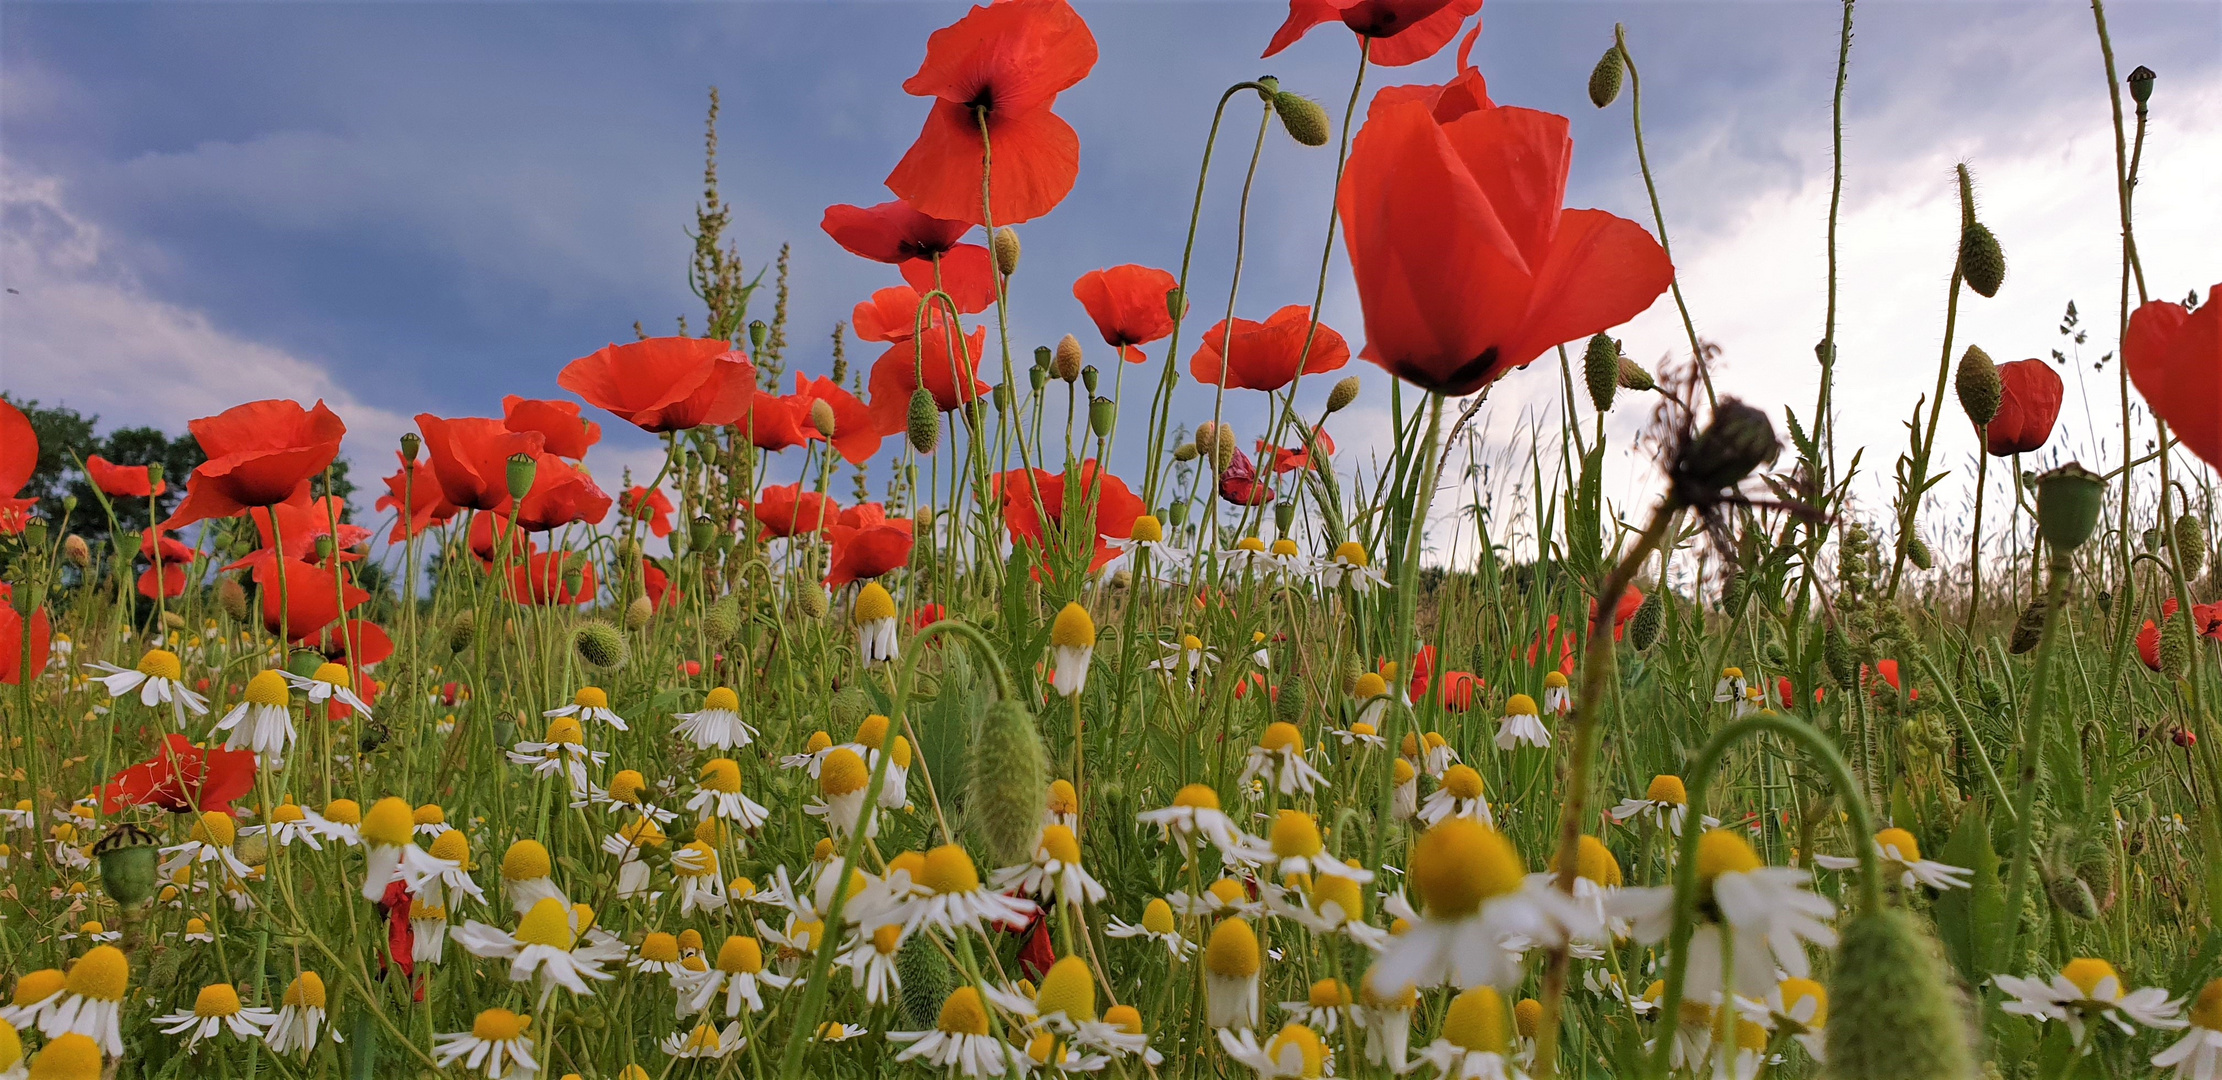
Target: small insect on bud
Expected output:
[1604,79]
[1006,251]
[1066,365]
[1601,368]
[522,469]
[2068,505]
[1089,377]
[1345,392]
[410,443]
[1633,377]
[1185,452]
[1739,439]
[821,416]
[1103,415]
[76,552]
[1303,119]
[1979,386]
[758,334]
[924,422]
[600,646]
[2141,85]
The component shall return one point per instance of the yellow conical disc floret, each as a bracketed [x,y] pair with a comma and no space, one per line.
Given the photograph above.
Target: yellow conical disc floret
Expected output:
[660,947]
[1249,543]
[721,699]
[452,845]
[499,1025]
[1732,673]
[306,990]
[591,697]
[887,939]
[1227,891]
[1282,737]
[161,664]
[842,773]
[1527,1017]
[1062,798]
[1284,547]
[627,786]
[2088,973]
[526,860]
[898,753]
[1723,851]
[1795,990]
[1126,1018]
[101,974]
[1328,994]
[1068,988]
[1554,680]
[1147,529]
[871,732]
[335,674]
[11,1048]
[690,939]
[37,986]
[1295,835]
[2206,1010]
[1157,916]
[1405,773]
[1462,781]
[721,774]
[268,688]
[1667,789]
[565,730]
[1074,628]
[345,812]
[1339,891]
[1476,1021]
[1299,1046]
[214,827]
[1352,552]
[873,603]
[949,869]
[1909,849]
[1461,864]
[68,1056]
[1058,843]
[1595,861]
[391,821]
[1197,796]
[546,924]
[817,742]
[1191,643]
[1369,686]
[740,956]
[1519,705]
[1232,952]
[430,814]
[963,1013]
[216,999]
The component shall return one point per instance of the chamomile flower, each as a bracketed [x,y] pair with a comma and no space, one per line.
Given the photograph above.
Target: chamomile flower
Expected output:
[701,883]
[496,1044]
[1248,553]
[955,897]
[1387,1022]
[1470,881]
[287,824]
[959,1041]
[1148,534]
[215,1010]
[842,780]
[1127,1021]
[1326,904]
[1063,806]
[91,1000]
[19,816]
[717,725]
[1558,698]
[341,820]
[1360,734]
[874,615]
[428,929]
[1323,1006]
[813,751]
[1187,657]
[1072,645]
[2087,989]
[525,876]
[2198,1055]
[37,993]
[1350,565]
[300,1014]
[1901,852]
[562,749]
[1278,758]
[1664,804]
[1693,1027]
[159,678]
[1731,686]
[1226,896]
[1296,847]
[870,958]
[1195,813]
[1752,703]
[209,841]
[796,940]
[590,704]
[1371,692]
[1231,965]
[627,843]
[1459,795]
[263,719]
[1520,726]
[1156,925]
[196,930]
[94,930]
[388,833]
[871,735]
[1767,908]
[1796,1007]
[704,1041]
[1431,752]
[738,976]
[1283,558]
[11,1055]
[453,850]
[1476,1043]
[1294,1051]
[68,1057]
[330,683]
[629,789]
[1055,874]
[1406,794]
[718,794]
[543,945]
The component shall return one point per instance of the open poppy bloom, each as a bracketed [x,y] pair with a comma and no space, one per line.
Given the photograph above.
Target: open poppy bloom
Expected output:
[1888,669]
[166,580]
[311,596]
[470,457]
[2175,357]
[1631,598]
[19,458]
[122,481]
[1239,483]
[866,544]
[1298,456]
[892,232]
[563,432]
[1002,67]
[951,367]
[546,578]
[299,523]
[666,383]
[181,777]
[966,272]
[651,505]
[890,315]
[1466,262]
[11,637]
[562,494]
[2027,407]
[357,641]
[656,585]
[1458,690]
[776,423]
[855,437]
[414,484]
[488,532]
[1031,498]
[158,546]
[1129,304]
[258,453]
[788,510]
[1399,32]
[1266,355]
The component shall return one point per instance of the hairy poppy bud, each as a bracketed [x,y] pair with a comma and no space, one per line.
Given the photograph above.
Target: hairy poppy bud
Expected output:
[1633,377]
[924,423]
[721,621]
[1345,392]
[1006,251]
[522,468]
[1979,386]
[1302,118]
[1604,79]
[1891,1012]
[1836,653]
[1066,364]
[2176,647]
[1643,626]
[1739,439]
[926,980]
[1982,262]
[639,613]
[758,334]
[1102,414]
[78,553]
[922,519]
[1009,783]
[409,446]
[461,630]
[2191,544]
[1601,368]
[2141,84]
[232,597]
[599,645]
[1185,452]
[2068,505]
[1918,554]
[811,596]
[1226,449]
[821,416]
[1089,377]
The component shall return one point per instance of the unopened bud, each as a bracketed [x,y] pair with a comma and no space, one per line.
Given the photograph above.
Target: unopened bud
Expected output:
[522,468]
[1345,392]
[1918,554]
[1601,366]
[1982,261]
[821,416]
[1739,439]
[409,446]
[154,473]
[1179,514]
[1979,386]
[2191,544]
[599,645]
[1303,119]
[639,612]
[1604,79]
[1066,365]
[1006,251]
[1103,413]
[232,597]
[924,422]
[1633,377]
[1185,452]
[1227,446]
[812,598]
[325,547]
[76,552]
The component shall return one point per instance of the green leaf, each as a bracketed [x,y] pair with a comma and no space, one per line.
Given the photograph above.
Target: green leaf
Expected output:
[1970,920]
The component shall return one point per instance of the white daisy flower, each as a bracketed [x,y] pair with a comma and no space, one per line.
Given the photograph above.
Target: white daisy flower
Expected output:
[1072,645]
[813,751]
[630,790]
[1156,925]
[299,1015]
[955,898]
[428,929]
[209,841]
[1731,686]
[1350,565]
[1520,726]
[739,977]
[1322,1008]
[1407,792]
[1459,795]
[843,779]
[1294,1051]
[215,1010]
[159,679]
[561,750]
[1476,1043]
[90,1000]
[542,945]
[590,704]
[2088,988]
[718,724]
[2198,1055]
[959,1041]
[526,877]
[704,1041]
[870,958]
[287,824]
[1797,1007]
[1432,753]
[1249,553]
[1195,812]
[340,820]
[1063,806]
[496,1044]
[1148,534]
[453,850]
[718,795]
[874,615]
[1387,1022]
[1471,882]
[1901,852]
[1187,657]
[1664,804]
[331,682]
[1055,872]
[1231,965]
[19,816]
[263,719]
[388,835]
[1767,908]
[701,883]
[1279,760]
[1558,698]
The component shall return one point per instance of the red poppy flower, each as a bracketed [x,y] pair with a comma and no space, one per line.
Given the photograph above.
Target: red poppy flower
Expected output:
[925,616]
[775,423]
[1003,64]
[487,531]
[656,585]
[867,544]
[543,579]
[19,449]
[413,482]
[181,777]
[665,384]
[2148,636]
[11,637]
[650,504]
[1889,671]
[563,431]
[360,641]
[1458,690]
[122,481]
[562,494]
[1423,672]
[1266,355]
[1467,264]
[951,368]
[1295,457]
[2175,357]
[967,274]
[890,315]
[258,453]
[313,596]
[1631,598]
[156,545]
[1239,483]
[470,456]
[855,437]
[2206,620]
[301,523]
[2027,408]
[1129,305]
[15,514]
[892,232]
[169,580]
[1402,31]
[1116,506]
[788,510]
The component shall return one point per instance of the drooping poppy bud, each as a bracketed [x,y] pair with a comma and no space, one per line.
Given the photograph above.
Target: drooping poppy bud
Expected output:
[1633,377]
[599,645]
[924,422]
[1303,119]
[1345,392]
[1739,439]
[1604,79]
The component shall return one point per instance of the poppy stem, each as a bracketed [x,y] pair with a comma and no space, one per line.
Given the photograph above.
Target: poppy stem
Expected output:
[1827,348]
[1658,216]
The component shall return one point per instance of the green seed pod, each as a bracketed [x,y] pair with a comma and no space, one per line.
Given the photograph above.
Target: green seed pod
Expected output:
[850,706]
[1176,303]
[2191,544]
[1345,392]
[1037,377]
[1042,356]
[1604,79]
[232,597]
[1303,119]
[1979,386]
[1103,414]
[1006,250]
[1633,377]
[2029,629]
[924,424]
[1644,625]
[701,533]
[34,534]
[1836,653]
[1284,517]
[1068,359]
[127,855]
[926,980]
[2141,85]
[721,621]
[600,646]
[1290,706]
[639,613]
[1892,1015]
[1001,396]
[461,630]
[1351,672]
[1185,452]
[2068,501]
[1601,367]
[1918,554]
[1009,783]
[1735,591]
[522,469]
[409,446]
[1089,378]
[1982,262]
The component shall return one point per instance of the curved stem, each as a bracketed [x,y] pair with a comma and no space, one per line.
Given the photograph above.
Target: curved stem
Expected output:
[1658,216]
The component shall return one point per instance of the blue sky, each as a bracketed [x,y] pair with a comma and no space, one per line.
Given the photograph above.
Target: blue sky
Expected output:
[424,206]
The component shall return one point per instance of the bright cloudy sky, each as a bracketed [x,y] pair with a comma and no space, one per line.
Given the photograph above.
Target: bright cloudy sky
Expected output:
[422,207]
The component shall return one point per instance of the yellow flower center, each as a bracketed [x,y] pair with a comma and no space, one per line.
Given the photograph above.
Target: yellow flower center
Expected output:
[345,812]
[1074,629]
[1295,835]
[1460,864]
[1476,1021]
[1282,737]
[1191,643]
[452,845]
[1724,851]
[641,833]
[546,924]
[306,991]
[1062,798]
[1249,543]
[949,869]
[100,974]
[1157,916]
[92,928]
[591,697]
[499,1025]
[1909,849]
[722,775]
[660,948]
[215,827]
[1198,796]
[1462,782]
[1059,844]
[565,730]
[696,859]
[526,860]
[1340,891]
[1350,551]
[721,699]
[1667,789]
[1554,680]
[872,733]
[1126,1018]
[842,773]
[1147,529]
[1227,890]
[2088,972]
[37,986]
[873,603]
[335,674]
[963,1013]
[1527,1017]
[1405,773]
[898,753]
[161,664]
[216,999]
[1370,995]
[268,688]
[68,1056]
[196,926]
[1232,952]
[1795,990]
[690,939]
[391,822]
[818,741]
[627,786]
[1284,547]
[1311,1056]
[1750,1036]
[1369,686]
[1329,994]
[1732,673]
[740,956]
[703,1038]
[430,814]
[1069,988]
[887,939]
[1519,705]
[805,935]
[2206,1011]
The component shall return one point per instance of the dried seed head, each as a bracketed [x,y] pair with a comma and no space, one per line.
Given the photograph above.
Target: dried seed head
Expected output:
[924,424]
[1604,79]
[1303,118]
[1065,364]
[1601,368]
[1006,250]
[1345,392]
[1979,386]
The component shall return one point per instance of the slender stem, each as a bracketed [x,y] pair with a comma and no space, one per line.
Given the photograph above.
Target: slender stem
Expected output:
[1658,216]
[1827,348]
[2032,751]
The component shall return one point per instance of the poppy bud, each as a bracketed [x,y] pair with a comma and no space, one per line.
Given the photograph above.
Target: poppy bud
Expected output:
[76,552]
[811,597]
[1103,413]
[1982,262]
[1006,251]
[1009,783]
[1633,377]
[173,620]
[1284,515]
[2175,647]
[922,519]
[1066,365]
[1836,653]
[1001,395]
[1979,386]
[1037,377]
[1089,377]
[1891,1011]
[1185,452]
[522,468]
[2141,85]
[1643,626]
[599,645]
[2068,505]
[34,534]
[821,416]
[127,855]
[721,621]
[1226,449]
[1302,118]
[1601,367]
[409,445]
[1345,392]
[639,613]
[701,533]
[1918,554]
[232,597]
[2191,544]
[1604,79]
[924,423]
[1738,440]
[758,333]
